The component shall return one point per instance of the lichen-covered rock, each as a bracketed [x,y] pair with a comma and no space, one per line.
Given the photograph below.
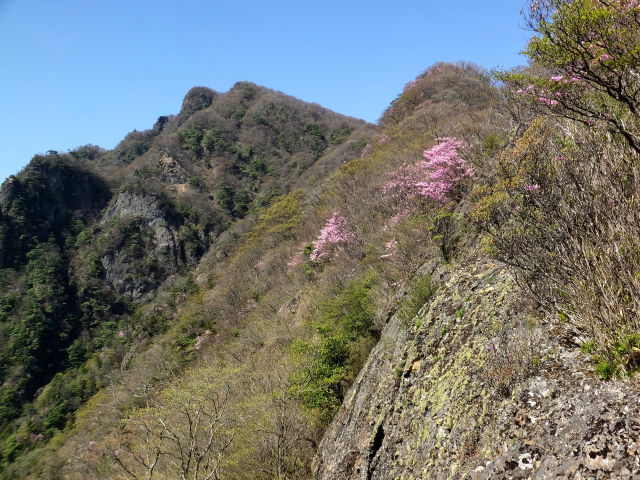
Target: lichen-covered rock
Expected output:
[567,425]
[481,387]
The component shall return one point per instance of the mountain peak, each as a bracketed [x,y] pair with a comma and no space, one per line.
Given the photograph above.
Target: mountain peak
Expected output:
[196,99]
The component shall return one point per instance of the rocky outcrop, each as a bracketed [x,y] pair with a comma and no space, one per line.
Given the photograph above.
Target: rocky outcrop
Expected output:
[196,99]
[171,170]
[8,191]
[43,202]
[122,266]
[48,192]
[481,386]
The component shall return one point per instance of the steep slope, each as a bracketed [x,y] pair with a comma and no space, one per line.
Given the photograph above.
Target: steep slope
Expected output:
[523,364]
[458,299]
[455,394]
[278,329]
[88,237]
[269,331]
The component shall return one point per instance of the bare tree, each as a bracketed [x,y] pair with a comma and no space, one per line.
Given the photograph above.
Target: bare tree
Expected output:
[185,433]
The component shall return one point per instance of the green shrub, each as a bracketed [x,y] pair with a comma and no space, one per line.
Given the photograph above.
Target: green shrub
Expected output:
[420,293]
[342,323]
[224,196]
[196,182]
[588,347]
[546,215]
[76,353]
[340,135]
[606,370]
[11,449]
[215,143]
[148,171]
[84,237]
[192,139]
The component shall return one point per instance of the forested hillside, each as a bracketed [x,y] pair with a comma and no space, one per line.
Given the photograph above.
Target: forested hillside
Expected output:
[89,237]
[258,288]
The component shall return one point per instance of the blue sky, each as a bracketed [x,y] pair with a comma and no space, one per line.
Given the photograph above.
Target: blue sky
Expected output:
[74,72]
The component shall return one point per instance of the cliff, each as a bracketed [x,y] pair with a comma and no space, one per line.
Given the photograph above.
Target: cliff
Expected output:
[481,385]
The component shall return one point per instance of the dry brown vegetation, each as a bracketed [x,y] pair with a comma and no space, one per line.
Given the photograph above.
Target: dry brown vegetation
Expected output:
[283,336]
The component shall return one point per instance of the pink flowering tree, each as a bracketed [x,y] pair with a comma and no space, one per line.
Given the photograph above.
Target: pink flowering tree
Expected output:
[336,232]
[588,51]
[435,178]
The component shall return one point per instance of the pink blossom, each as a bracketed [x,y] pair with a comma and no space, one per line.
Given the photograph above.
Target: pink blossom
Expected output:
[379,139]
[117,452]
[547,101]
[557,78]
[532,188]
[200,339]
[336,231]
[575,79]
[603,57]
[628,3]
[433,178]
[534,7]
[248,308]
[400,215]
[366,150]
[524,91]
[445,168]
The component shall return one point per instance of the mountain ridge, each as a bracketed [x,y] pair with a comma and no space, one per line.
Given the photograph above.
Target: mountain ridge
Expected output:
[111,226]
[275,291]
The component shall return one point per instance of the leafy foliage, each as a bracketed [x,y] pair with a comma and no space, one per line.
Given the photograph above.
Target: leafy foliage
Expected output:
[590,50]
[563,207]
[342,323]
[89,237]
[421,291]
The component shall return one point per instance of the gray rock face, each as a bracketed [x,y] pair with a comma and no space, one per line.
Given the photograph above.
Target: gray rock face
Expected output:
[472,390]
[568,428]
[43,201]
[171,170]
[121,272]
